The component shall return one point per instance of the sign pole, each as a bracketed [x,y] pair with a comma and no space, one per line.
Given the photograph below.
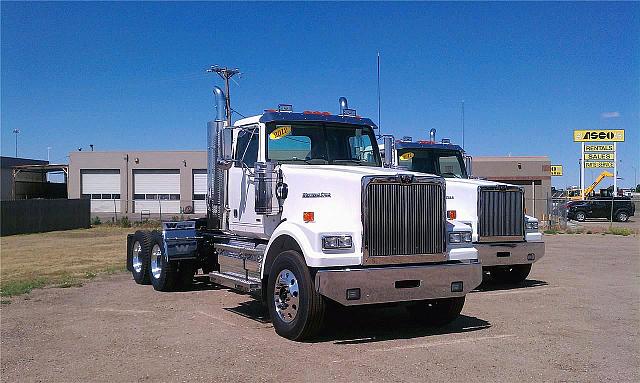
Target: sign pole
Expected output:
[615,169]
[582,172]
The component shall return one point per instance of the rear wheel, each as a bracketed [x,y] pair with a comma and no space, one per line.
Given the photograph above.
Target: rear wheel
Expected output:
[161,272]
[140,251]
[436,312]
[511,273]
[296,308]
[622,216]
[580,216]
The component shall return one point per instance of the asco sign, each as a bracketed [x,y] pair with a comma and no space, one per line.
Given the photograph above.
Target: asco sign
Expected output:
[598,135]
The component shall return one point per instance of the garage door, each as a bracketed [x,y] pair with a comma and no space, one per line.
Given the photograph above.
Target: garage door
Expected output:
[156,191]
[200,191]
[102,187]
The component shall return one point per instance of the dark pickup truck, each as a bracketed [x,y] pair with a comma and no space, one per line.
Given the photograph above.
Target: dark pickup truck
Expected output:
[623,208]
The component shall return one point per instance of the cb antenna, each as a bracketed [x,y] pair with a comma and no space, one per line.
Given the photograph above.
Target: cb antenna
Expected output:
[226,74]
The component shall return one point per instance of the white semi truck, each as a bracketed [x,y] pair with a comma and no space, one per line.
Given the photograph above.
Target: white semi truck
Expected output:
[302,212]
[508,241]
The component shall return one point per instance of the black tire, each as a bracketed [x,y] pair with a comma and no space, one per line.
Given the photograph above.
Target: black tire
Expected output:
[511,274]
[580,216]
[140,251]
[304,319]
[186,271]
[162,273]
[622,216]
[436,312]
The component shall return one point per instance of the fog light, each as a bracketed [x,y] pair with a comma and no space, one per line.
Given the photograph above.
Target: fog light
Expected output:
[456,287]
[353,294]
[531,257]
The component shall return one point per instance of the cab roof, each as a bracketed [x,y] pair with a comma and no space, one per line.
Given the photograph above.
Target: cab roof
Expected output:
[306,117]
[426,145]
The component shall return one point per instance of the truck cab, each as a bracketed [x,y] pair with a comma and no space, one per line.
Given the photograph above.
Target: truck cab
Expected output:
[508,241]
[302,212]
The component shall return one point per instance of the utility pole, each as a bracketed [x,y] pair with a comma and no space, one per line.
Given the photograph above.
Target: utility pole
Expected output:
[226,74]
[16,132]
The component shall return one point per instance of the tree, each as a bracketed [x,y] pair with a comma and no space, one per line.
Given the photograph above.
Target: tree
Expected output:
[638,188]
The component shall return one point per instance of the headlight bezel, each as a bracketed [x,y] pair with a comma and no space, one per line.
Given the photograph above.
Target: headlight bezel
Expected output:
[532,226]
[460,237]
[337,242]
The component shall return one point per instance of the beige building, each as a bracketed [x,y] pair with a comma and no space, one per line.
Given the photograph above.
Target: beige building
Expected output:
[531,173]
[140,182]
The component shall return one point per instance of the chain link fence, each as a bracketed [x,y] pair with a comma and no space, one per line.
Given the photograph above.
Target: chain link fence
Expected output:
[113,211]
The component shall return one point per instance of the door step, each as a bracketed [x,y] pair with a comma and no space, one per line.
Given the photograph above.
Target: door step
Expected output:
[235,281]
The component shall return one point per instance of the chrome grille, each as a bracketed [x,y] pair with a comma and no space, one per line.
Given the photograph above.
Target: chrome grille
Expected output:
[404,219]
[500,213]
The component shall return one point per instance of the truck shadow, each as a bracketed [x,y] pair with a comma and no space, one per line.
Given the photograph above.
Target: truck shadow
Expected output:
[356,325]
[489,284]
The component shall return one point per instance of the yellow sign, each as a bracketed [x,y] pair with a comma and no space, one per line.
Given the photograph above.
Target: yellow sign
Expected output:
[599,148]
[407,156]
[280,131]
[598,164]
[556,170]
[598,135]
[599,156]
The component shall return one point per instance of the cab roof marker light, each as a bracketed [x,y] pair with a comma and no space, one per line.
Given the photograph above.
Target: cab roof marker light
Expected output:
[285,108]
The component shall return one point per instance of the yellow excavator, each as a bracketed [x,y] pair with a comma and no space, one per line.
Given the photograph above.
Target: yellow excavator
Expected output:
[592,187]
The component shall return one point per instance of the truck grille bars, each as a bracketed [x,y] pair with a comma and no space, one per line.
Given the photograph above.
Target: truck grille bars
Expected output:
[403,219]
[500,213]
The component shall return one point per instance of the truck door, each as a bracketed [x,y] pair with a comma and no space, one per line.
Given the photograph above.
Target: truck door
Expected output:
[242,214]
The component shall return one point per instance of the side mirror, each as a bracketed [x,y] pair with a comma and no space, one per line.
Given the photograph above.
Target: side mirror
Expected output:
[468,163]
[227,140]
[388,143]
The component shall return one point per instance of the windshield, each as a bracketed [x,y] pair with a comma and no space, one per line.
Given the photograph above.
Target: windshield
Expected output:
[445,163]
[322,144]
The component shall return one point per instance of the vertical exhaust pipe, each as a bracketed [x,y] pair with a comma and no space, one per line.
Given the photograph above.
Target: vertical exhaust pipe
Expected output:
[215,174]
[432,135]
[343,104]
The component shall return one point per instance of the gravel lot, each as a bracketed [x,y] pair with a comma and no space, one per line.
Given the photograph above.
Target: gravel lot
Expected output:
[576,319]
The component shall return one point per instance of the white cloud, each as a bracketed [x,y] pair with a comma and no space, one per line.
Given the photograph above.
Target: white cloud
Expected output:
[610,115]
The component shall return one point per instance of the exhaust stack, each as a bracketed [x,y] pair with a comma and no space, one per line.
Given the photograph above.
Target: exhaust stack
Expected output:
[343,104]
[432,135]
[215,173]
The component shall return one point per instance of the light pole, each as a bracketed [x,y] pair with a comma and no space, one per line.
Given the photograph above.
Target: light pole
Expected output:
[16,132]
[48,153]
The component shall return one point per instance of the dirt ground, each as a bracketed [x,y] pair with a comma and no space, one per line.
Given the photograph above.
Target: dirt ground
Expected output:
[575,319]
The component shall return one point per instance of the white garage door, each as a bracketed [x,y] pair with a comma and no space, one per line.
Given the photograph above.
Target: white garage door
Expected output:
[102,187]
[156,191]
[200,191]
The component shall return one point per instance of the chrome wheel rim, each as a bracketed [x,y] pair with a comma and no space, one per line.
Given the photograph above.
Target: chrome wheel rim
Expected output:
[286,296]
[136,259]
[622,217]
[156,261]
[580,217]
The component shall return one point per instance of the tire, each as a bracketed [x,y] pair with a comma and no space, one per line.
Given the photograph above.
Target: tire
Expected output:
[622,216]
[140,252]
[296,309]
[162,273]
[511,274]
[580,216]
[186,271]
[436,312]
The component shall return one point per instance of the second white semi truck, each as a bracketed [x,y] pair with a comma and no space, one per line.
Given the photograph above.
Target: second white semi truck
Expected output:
[301,212]
[508,241]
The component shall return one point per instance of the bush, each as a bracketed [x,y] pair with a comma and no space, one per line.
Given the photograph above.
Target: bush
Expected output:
[124,222]
[620,231]
[551,231]
[96,221]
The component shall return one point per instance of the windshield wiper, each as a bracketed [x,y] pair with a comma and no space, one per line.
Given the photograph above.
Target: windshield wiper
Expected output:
[353,161]
[310,161]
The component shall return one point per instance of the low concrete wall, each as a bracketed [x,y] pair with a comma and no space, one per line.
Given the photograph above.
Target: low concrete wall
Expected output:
[40,215]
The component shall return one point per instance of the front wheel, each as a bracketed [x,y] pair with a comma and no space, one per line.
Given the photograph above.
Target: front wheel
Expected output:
[436,312]
[622,216]
[580,216]
[296,308]
[511,274]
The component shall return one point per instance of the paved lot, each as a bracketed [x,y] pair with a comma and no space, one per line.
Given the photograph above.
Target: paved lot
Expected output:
[576,319]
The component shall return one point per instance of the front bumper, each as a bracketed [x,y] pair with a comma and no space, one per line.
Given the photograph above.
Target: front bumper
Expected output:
[516,253]
[398,283]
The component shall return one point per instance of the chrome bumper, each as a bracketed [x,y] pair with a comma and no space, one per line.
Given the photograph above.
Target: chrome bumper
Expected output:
[398,283]
[502,254]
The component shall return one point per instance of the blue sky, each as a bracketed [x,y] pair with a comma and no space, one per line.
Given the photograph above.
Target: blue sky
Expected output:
[131,75]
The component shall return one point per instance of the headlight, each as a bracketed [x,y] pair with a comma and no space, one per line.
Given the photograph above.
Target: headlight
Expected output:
[533,225]
[459,237]
[337,242]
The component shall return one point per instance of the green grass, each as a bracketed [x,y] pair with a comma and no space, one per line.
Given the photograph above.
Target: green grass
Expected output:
[551,231]
[620,231]
[22,287]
